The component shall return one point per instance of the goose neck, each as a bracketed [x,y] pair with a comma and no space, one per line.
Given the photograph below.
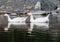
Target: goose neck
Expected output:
[32,18]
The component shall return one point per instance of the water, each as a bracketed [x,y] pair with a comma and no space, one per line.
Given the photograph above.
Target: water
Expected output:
[30,32]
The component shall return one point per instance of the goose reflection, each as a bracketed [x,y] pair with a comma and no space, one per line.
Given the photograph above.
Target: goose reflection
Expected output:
[42,26]
[14,24]
[28,26]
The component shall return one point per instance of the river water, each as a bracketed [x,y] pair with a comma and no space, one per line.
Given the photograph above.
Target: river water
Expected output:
[30,32]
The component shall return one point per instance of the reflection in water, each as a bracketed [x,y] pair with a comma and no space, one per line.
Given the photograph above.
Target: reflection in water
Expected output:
[29,26]
[29,32]
[38,32]
[14,24]
[38,26]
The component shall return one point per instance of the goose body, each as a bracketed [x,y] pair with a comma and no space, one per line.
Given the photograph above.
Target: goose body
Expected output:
[16,20]
[44,19]
[41,17]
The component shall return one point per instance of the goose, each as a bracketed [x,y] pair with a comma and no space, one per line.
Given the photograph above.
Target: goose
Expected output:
[43,19]
[15,20]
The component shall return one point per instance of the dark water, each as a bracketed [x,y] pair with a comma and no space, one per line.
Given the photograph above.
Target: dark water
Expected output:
[30,32]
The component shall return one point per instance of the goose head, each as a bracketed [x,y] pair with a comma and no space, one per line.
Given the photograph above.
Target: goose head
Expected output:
[6,15]
[27,14]
[9,19]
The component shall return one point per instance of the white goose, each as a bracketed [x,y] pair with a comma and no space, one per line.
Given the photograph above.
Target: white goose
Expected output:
[16,20]
[44,19]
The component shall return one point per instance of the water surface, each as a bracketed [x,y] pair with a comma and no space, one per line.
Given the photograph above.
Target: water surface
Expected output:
[30,32]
